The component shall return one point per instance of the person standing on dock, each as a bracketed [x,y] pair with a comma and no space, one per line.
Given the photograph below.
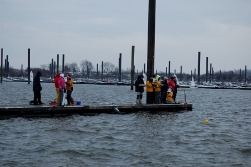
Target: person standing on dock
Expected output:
[157,89]
[37,89]
[139,88]
[57,88]
[163,90]
[173,85]
[69,89]
[62,90]
[150,90]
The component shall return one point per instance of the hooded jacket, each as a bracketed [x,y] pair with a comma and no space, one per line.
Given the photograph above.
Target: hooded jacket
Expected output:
[36,82]
[69,84]
[56,80]
[61,82]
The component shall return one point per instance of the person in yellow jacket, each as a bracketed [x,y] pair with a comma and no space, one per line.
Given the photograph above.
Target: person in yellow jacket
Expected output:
[157,90]
[69,89]
[150,90]
[169,96]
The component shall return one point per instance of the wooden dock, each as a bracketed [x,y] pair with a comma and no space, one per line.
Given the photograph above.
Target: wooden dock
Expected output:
[58,111]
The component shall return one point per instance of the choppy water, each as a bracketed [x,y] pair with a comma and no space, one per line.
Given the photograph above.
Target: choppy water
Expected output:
[142,139]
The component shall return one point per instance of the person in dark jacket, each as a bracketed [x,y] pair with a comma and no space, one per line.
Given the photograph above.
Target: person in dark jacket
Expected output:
[139,88]
[37,89]
[164,90]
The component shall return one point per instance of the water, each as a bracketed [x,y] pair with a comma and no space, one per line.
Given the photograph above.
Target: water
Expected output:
[141,139]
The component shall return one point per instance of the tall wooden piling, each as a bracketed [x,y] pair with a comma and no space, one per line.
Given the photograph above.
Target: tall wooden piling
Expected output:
[198,68]
[210,74]
[52,67]
[191,75]
[63,63]
[181,73]
[151,37]
[169,70]
[57,63]
[97,70]
[120,57]
[29,70]
[102,65]
[6,67]
[132,68]
[245,74]
[51,71]
[206,68]
[144,68]
[1,65]
[166,71]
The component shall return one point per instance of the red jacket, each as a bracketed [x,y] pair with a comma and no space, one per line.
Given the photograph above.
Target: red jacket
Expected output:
[56,79]
[171,84]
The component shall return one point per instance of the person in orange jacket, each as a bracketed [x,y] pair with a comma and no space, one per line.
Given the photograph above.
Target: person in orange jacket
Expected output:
[150,86]
[69,89]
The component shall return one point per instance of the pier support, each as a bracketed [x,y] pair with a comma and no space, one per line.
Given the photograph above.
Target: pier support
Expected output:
[151,39]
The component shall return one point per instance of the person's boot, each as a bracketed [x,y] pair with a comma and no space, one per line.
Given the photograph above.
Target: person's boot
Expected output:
[140,102]
[137,102]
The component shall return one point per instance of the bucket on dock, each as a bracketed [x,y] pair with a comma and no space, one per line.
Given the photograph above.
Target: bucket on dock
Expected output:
[77,102]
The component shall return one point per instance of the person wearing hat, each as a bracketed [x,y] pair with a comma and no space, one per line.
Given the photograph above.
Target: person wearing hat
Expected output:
[169,97]
[69,89]
[139,88]
[37,89]
[61,86]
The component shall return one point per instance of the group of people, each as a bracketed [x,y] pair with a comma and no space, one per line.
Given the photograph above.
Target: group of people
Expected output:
[61,86]
[158,90]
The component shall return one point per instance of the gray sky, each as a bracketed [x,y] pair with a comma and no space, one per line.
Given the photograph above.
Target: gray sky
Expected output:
[99,30]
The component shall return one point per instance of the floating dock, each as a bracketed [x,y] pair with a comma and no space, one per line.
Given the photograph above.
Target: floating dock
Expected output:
[58,111]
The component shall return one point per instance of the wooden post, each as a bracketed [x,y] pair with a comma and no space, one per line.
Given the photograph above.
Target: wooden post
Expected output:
[57,63]
[97,71]
[198,68]
[62,63]
[1,65]
[120,57]
[210,74]
[245,74]
[181,73]
[29,70]
[166,71]
[132,68]
[169,72]
[144,68]
[52,67]
[151,39]
[206,68]
[102,71]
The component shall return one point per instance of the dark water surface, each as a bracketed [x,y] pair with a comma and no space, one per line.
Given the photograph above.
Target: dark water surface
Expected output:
[141,139]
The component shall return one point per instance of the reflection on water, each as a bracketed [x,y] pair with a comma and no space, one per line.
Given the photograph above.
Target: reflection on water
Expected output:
[140,139]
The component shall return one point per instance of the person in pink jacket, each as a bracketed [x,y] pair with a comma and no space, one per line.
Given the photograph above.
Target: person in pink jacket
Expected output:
[61,86]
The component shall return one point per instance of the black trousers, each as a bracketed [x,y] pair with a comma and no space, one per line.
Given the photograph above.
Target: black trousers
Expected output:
[150,97]
[37,97]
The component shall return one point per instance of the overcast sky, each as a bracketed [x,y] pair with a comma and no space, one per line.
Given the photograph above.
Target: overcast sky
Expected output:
[99,30]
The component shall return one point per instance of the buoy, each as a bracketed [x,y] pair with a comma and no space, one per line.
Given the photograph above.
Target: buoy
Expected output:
[206,121]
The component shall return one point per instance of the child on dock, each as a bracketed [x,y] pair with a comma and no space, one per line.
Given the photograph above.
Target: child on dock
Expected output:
[169,96]
[139,88]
